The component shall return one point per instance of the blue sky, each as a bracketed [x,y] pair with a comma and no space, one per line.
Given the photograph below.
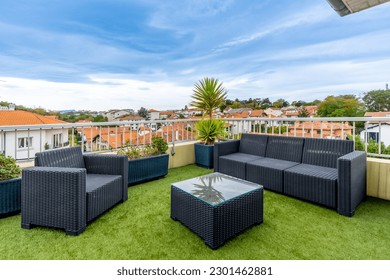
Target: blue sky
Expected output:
[103,54]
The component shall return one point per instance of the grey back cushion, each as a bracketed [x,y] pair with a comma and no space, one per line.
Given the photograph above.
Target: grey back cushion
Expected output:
[325,152]
[63,157]
[254,144]
[285,148]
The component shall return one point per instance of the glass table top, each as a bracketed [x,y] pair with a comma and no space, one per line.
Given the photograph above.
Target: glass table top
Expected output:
[216,188]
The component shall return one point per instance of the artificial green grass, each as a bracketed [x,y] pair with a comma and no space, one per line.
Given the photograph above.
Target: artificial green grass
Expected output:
[141,228]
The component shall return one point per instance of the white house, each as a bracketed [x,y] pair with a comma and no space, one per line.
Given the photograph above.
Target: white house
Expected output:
[153,114]
[23,143]
[373,130]
[115,114]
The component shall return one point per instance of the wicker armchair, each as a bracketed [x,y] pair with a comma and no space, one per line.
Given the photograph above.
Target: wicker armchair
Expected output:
[67,189]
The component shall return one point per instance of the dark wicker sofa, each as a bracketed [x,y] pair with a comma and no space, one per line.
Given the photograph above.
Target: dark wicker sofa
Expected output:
[67,189]
[323,171]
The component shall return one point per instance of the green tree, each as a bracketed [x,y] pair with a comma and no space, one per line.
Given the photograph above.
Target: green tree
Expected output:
[100,118]
[236,105]
[142,112]
[302,112]
[222,107]
[265,103]
[208,95]
[313,103]
[377,100]
[340,106]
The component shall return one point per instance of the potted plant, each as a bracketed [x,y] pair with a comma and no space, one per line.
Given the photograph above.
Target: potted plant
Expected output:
[10,185]
[147,162]
[208,95]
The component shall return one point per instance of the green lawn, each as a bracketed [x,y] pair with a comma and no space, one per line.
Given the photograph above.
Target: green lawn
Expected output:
[141,228]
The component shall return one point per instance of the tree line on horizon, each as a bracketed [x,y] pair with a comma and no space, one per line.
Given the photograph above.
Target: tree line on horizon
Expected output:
[332,106]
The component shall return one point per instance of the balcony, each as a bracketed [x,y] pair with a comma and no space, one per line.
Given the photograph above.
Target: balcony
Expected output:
[141,228]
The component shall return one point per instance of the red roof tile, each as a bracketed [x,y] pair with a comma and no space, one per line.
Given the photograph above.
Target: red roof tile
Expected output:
[18,117]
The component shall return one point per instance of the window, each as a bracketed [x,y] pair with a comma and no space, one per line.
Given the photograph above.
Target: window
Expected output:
[57,140]
[24,142]
[373,135]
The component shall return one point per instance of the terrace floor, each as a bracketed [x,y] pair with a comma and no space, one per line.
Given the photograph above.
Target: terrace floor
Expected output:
[141,228]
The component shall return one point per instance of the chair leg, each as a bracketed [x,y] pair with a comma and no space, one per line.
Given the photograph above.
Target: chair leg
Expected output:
[27,226]
[73,232]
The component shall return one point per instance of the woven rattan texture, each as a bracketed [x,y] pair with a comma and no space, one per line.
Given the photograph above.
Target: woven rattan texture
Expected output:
[217,224]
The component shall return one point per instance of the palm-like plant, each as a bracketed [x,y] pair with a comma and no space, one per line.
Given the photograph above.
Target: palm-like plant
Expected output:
[209,130]
[208,95]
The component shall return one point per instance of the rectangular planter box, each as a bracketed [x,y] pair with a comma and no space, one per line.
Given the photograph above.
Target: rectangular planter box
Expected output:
[10,196]
[204,155]
[145,169]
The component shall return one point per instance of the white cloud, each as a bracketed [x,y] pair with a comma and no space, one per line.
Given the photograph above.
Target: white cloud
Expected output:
[169,13]
[355,46]
[101,94]
[310,16]
[315,80]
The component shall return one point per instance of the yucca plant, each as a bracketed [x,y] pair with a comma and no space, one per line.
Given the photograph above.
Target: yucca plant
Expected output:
[208,95]
[209,130]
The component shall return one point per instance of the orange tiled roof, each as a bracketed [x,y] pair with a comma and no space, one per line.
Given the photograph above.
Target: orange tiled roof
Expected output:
[19,117]
[257,113]
[377,114]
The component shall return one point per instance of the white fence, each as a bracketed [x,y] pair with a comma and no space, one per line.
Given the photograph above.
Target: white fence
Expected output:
[22,142]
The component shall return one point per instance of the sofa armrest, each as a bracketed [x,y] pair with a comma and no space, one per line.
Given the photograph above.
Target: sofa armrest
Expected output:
[111,165]
[224,148]
[351,188]
[54,197]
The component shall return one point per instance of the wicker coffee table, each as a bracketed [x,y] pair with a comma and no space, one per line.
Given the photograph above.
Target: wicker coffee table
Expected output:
[217,206]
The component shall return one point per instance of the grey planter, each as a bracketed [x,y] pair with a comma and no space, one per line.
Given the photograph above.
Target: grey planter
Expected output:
[10,196]
[145,169]
[204,155]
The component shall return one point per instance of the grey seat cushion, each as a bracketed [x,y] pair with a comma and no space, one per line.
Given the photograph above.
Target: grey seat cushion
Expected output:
[315,171]
[95,181]
[103,192]
[235,164]
[268,172]
[313,183]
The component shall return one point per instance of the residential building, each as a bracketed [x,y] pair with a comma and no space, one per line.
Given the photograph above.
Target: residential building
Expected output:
[375,131]
[101,138]
[153,114]
[132,118]
[10,107]
[115,114]
[320,129]
[22,143]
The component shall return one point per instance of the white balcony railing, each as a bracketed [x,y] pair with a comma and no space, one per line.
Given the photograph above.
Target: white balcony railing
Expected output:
[22,142]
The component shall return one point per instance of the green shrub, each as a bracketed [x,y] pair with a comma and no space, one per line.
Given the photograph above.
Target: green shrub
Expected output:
[8,168]
[159,146]
[209,130]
